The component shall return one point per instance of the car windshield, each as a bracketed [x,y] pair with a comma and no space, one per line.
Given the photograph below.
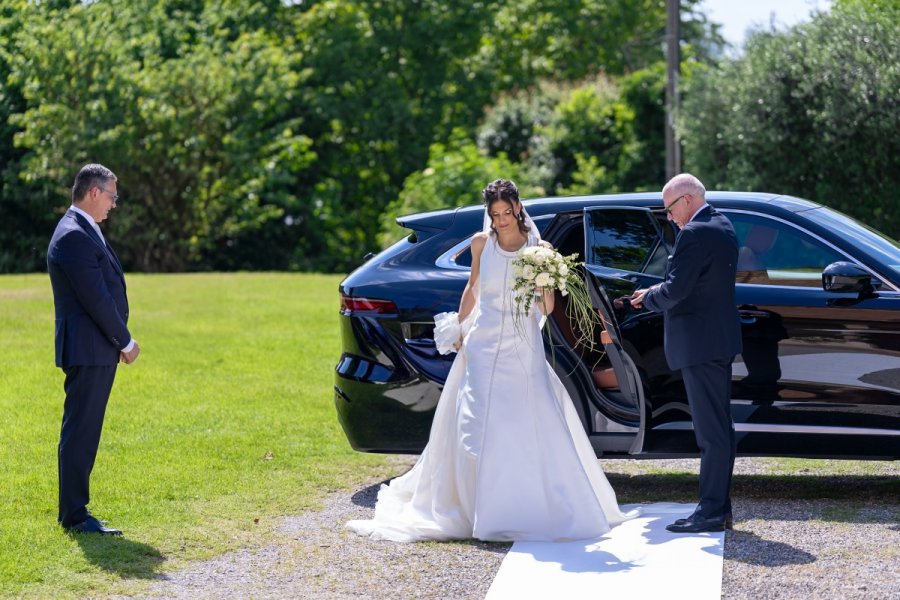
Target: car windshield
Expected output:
[875,243]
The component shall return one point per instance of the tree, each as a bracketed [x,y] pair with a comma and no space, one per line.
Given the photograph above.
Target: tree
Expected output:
[644,92]
[591,138]
[387,79]
[26,220]
[392,77]
[569,40]
[455,175]
[813,112]
[569,138]
[197,120]
[266,134]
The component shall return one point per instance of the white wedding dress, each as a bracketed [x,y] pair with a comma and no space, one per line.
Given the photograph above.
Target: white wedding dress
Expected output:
[507,458]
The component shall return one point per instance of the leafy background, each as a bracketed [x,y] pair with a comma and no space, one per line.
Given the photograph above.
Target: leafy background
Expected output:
[271,135]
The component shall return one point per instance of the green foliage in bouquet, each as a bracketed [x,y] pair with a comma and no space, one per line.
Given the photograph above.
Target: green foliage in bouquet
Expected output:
[543,267]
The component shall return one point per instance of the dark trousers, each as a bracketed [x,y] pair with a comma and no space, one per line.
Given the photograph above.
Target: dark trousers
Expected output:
[708,388]
[87,392]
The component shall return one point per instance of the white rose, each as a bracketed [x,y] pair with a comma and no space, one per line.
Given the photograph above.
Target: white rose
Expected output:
[563,269]
[528,272]
[542,279]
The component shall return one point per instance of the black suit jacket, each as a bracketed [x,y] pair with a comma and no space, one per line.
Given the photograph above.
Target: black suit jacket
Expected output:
[88,294]
[697,296]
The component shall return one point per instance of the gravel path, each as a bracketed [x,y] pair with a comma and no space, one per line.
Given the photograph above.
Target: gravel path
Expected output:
[828,532]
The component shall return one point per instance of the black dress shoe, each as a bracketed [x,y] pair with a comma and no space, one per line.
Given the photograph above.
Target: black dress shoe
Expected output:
[696,524]
[729,521]
[92,525]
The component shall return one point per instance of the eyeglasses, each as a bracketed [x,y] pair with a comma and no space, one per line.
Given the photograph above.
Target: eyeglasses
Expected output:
[115,197]
[668,208]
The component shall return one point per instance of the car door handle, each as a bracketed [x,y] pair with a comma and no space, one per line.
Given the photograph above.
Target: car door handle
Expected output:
[749,317]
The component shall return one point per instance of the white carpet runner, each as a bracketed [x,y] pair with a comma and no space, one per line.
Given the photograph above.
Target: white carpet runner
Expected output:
[637,559]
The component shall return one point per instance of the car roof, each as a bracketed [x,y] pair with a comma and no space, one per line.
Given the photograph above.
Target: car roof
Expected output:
[440,219]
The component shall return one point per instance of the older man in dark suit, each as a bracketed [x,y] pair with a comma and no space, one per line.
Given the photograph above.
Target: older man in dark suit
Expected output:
[702,336]
[91,336]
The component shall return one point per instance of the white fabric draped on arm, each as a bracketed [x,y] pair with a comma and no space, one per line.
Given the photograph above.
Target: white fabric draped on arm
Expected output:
[448,331]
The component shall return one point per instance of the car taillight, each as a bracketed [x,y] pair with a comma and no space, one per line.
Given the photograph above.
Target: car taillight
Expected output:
[356,304]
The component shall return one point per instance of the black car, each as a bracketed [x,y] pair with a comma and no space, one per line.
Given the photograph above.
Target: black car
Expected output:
[819,301]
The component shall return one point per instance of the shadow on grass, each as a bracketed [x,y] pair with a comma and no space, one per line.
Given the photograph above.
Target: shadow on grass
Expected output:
[682,487]
[118,555]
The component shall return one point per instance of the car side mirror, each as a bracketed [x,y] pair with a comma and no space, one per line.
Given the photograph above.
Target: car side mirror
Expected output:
[846,277]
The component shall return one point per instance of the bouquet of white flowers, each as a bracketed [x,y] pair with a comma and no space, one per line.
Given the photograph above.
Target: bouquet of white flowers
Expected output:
[539,266]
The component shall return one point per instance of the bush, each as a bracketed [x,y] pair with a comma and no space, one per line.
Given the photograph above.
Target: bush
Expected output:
[569,138]
[812,112]
[592,128]
[455,175]
[645,93]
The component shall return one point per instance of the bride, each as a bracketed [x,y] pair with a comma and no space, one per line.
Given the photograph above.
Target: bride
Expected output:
[507,458]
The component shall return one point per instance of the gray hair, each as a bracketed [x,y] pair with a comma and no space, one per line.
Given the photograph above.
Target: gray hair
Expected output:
[90,176]
[685,183]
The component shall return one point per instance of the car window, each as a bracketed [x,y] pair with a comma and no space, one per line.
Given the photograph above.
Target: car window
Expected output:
[625,239]
[774,253]
[875,243]
[464,258]
[460,256]
[660,257]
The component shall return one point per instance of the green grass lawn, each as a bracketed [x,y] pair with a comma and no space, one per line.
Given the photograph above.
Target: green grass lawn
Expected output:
[223,424]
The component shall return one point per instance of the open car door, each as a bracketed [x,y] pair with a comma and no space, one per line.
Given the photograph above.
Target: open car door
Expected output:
[626,248]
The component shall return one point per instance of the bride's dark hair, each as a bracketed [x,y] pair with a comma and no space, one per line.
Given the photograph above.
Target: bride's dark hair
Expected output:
[503,189]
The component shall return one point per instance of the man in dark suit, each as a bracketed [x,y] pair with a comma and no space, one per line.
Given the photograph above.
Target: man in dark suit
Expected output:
[91,336]
[702,336]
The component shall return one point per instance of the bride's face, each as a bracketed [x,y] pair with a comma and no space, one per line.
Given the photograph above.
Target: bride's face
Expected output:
[503,215]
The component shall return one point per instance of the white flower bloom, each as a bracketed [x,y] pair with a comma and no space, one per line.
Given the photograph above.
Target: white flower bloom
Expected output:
[563,270]
[542,279]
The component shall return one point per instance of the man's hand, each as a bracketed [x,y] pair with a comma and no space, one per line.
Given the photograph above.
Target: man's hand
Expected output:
[637,298]
[130,357]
